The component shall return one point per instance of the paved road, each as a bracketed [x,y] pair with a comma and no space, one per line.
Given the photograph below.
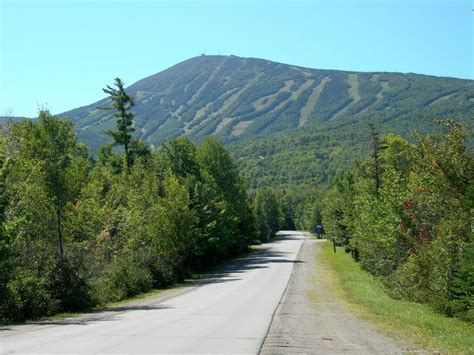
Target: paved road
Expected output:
[228,313]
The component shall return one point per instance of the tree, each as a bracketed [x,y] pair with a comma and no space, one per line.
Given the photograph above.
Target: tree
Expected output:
[461,288]
[122,104]
[3,174]
[52,144]
[377,171]
[268,214]
[179,155]
[46,170]
[5,250]
[217,162]
[337,212]
[437,215]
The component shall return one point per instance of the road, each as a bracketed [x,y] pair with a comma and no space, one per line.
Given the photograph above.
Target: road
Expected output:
[229,312]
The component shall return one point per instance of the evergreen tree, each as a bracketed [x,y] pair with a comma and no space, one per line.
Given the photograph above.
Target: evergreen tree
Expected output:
[377,171]
[122,104]
[461,287]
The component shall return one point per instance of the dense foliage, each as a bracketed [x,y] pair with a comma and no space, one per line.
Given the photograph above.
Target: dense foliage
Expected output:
[407,217]
[77,232]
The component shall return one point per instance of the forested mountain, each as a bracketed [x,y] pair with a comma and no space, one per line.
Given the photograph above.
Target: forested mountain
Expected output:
[245,98]
[312,157]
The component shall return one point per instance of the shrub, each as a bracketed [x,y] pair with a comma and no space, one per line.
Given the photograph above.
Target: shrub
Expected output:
[123,279]
[28,297]
[410,280]
[166,270]
[69,289]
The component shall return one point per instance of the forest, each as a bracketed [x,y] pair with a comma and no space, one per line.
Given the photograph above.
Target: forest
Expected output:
[80,231]
[406,214]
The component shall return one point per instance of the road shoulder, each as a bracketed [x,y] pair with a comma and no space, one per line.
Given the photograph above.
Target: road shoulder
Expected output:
[310,319]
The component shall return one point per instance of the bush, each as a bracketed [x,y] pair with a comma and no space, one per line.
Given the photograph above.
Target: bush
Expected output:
[124,279]
[166,270]
[409,281]
[28,297]
[69,289]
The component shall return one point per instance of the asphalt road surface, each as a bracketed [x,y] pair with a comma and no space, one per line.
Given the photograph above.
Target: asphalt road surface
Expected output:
[229,312]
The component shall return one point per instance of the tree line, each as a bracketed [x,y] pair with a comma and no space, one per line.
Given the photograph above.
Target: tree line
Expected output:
[406,214]
[78,231]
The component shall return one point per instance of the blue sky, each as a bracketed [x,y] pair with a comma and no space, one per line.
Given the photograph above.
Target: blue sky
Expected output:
[59,54]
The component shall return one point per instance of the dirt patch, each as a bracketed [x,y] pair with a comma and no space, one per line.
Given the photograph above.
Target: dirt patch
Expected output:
[240,127]
[312,320]
[442,98]
[223,124]
[265,101]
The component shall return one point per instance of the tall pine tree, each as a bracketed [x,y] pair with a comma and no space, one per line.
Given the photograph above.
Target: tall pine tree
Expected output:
[122,104]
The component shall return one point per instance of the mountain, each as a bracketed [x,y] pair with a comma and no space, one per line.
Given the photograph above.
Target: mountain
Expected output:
[247,99]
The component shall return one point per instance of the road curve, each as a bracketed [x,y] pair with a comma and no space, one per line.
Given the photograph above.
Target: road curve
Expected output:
[230,312]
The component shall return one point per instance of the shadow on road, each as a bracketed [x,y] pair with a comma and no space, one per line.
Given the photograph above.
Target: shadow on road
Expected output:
[109,314]
[282,237]
[259,259]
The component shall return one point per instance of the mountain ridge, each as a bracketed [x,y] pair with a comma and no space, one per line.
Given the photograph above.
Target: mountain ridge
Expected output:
[235,98]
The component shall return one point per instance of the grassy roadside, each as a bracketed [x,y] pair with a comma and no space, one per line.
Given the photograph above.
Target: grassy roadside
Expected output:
[366,297]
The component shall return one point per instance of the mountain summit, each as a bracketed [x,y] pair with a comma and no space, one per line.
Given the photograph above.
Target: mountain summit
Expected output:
[236,98]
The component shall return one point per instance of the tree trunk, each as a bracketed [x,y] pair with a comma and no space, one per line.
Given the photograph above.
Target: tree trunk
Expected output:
[60,232]
[375,156]
[377,167]
[126,161]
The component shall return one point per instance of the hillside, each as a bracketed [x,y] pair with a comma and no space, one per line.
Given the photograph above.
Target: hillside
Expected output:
[312,157]
[241,99]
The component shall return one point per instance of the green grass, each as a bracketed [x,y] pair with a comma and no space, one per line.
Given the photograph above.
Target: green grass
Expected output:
[366,297]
